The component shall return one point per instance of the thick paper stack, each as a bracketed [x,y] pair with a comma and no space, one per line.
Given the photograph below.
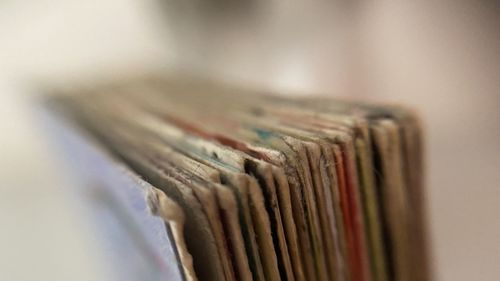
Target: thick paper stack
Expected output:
[259,187]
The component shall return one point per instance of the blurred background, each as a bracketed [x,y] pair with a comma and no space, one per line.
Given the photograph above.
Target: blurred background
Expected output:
[440,57]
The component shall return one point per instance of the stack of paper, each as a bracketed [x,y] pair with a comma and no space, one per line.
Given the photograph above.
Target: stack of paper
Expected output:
[259,187]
